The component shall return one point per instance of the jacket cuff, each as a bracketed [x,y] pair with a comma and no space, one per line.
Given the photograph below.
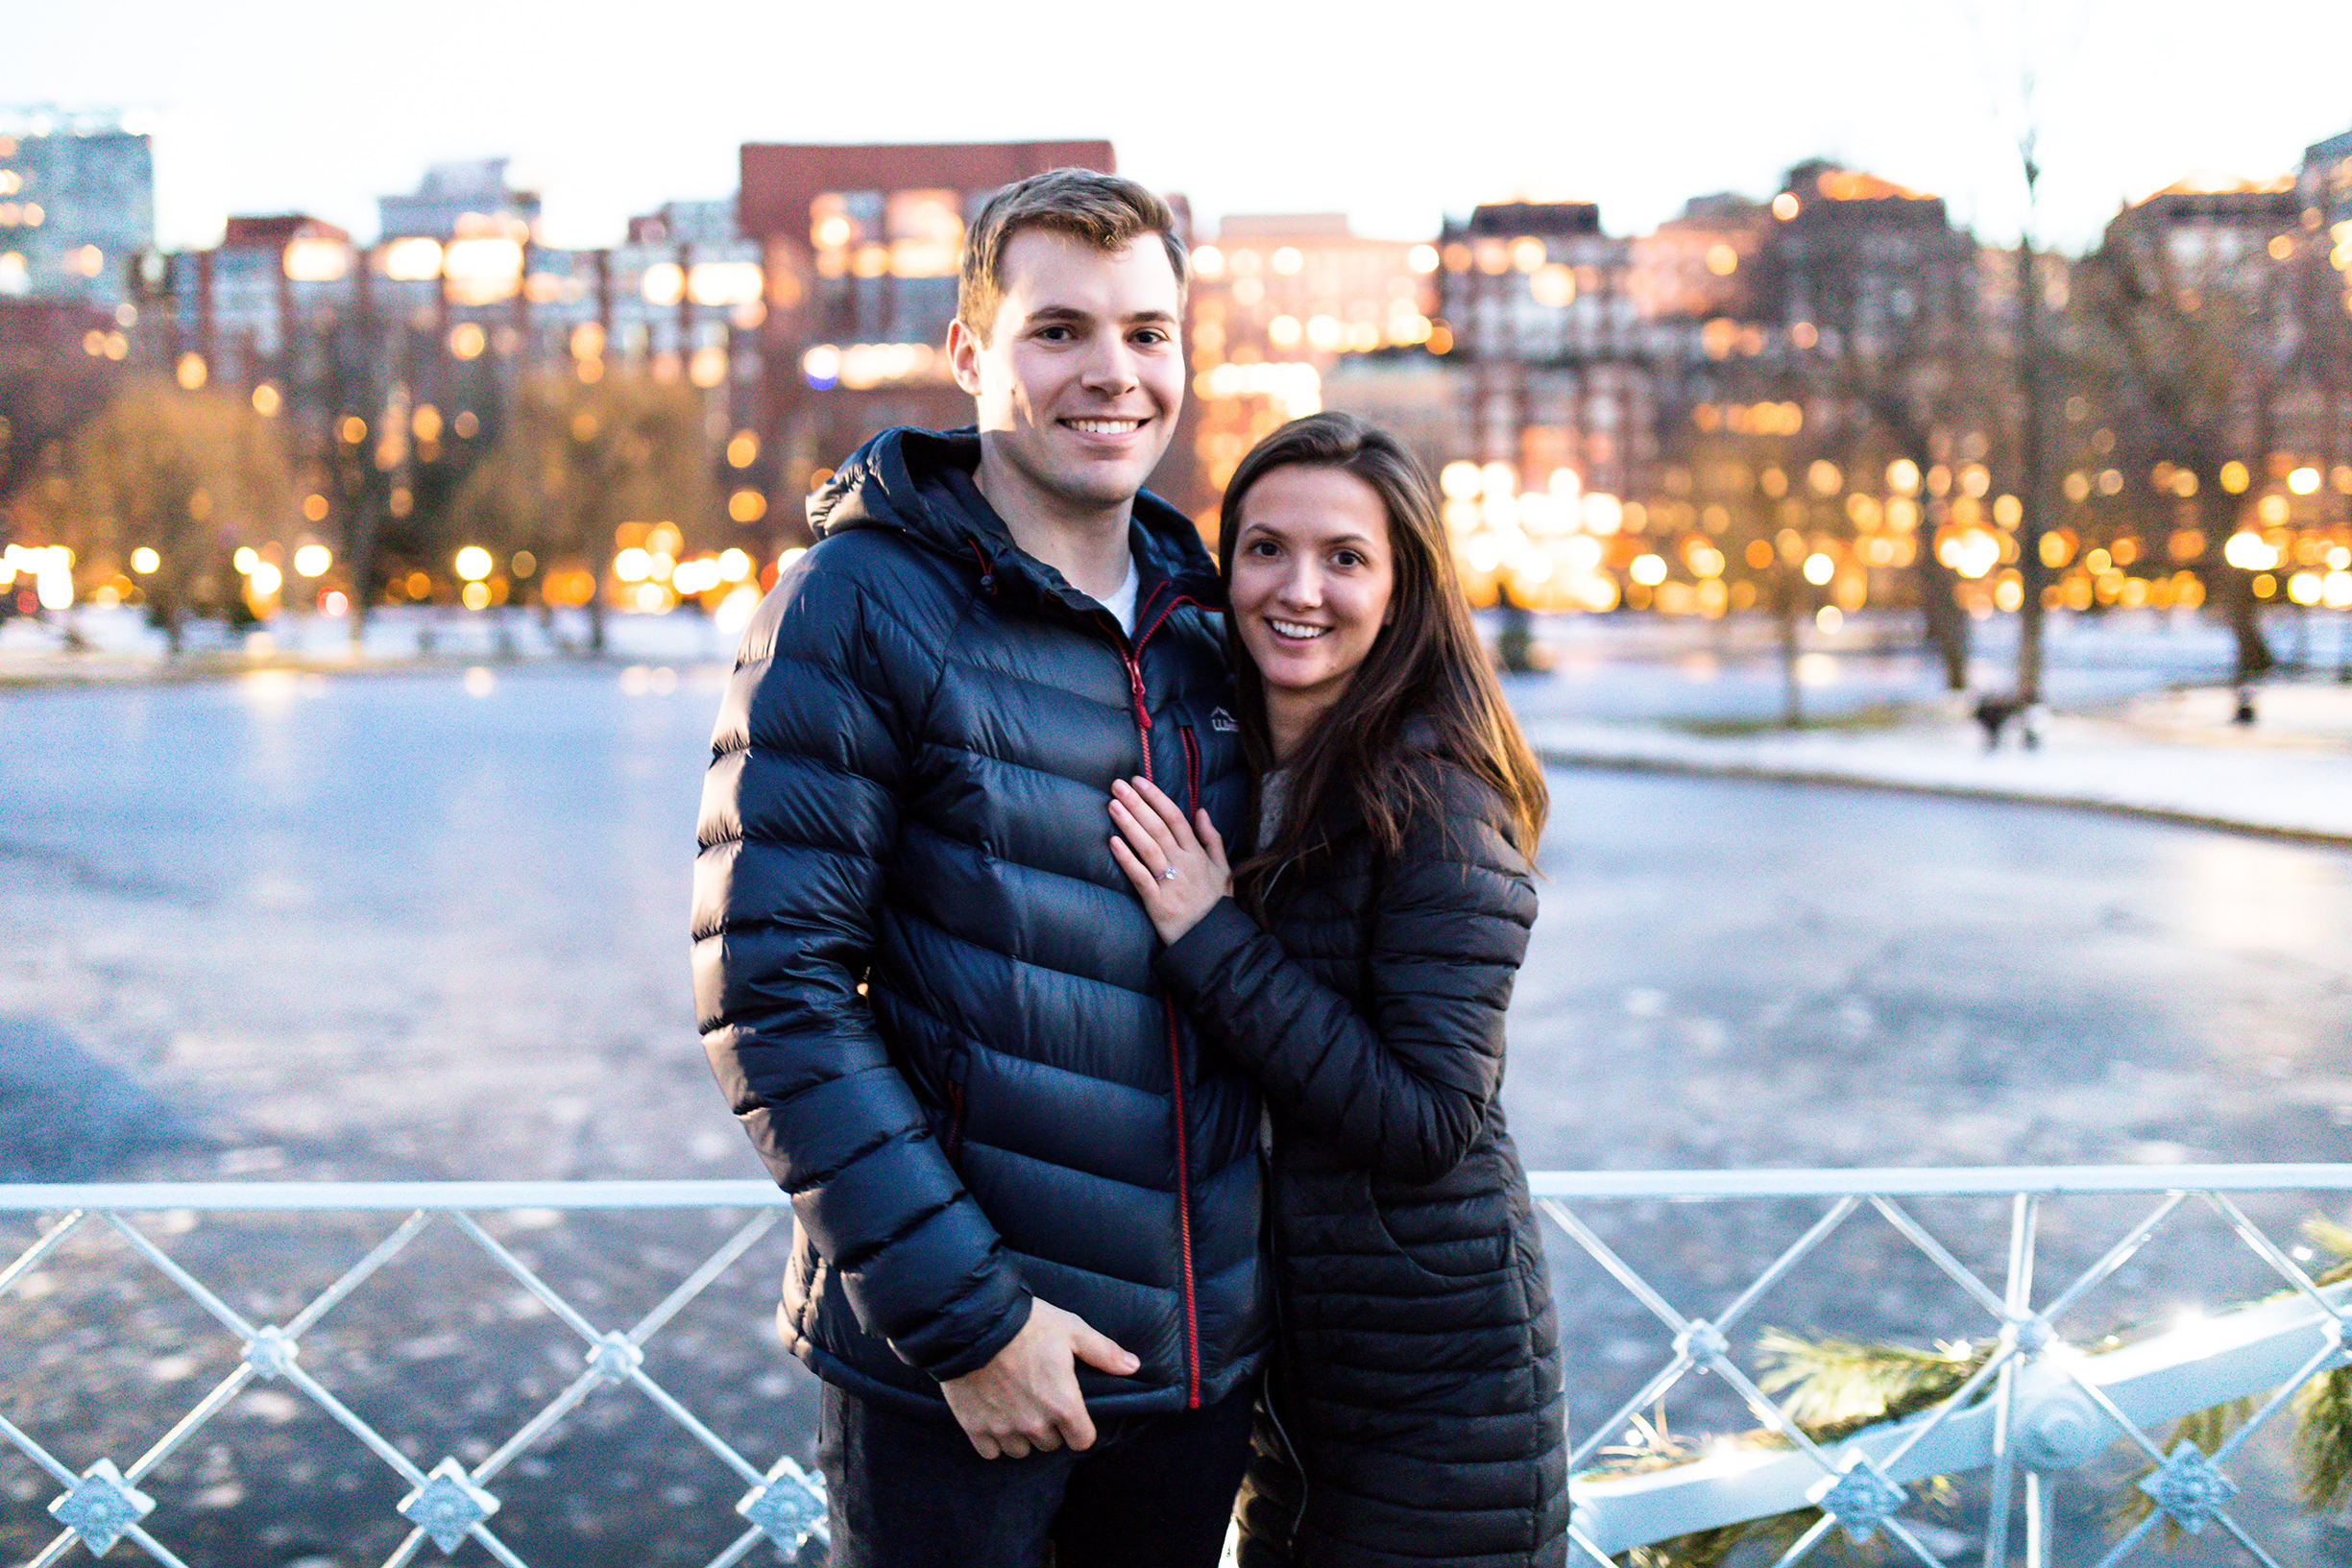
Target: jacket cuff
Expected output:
[984,1350]
[1189,965]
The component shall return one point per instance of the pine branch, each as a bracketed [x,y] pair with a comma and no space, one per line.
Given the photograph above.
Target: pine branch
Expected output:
[1837,1386]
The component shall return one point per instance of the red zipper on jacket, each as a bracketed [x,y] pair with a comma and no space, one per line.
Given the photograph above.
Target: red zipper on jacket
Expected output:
[1191,768]
[1132,655]
[1184,1213]
[1131,651]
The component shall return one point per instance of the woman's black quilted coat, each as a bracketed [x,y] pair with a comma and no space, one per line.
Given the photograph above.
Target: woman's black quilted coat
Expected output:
[1418,1377]
[924,984]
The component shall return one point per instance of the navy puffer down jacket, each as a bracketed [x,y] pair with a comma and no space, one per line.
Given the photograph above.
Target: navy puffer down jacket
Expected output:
[1416,1402]
[925,986]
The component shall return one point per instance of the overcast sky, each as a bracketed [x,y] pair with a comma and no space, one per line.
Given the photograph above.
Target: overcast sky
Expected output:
[1395,115]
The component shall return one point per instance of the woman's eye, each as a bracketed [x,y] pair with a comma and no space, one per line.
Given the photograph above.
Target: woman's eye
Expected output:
[1347,558]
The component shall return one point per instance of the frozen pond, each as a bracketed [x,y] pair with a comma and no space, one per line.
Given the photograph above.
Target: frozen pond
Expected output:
[434,926]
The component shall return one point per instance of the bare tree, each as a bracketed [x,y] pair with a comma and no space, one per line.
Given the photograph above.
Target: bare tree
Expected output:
[2187,360]
[577,460]
[188,475]
[2034,423]
[1901,356]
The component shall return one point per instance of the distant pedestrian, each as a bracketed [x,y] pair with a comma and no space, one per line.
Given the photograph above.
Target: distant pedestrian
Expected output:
[1027,1257]
[1358,961]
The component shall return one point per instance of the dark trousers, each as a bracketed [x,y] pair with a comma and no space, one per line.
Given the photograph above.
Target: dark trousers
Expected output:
[1154,1491]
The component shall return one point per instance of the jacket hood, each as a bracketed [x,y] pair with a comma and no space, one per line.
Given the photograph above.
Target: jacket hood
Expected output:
[918,483]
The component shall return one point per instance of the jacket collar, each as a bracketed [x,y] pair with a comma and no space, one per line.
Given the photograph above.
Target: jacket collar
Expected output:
[918,483]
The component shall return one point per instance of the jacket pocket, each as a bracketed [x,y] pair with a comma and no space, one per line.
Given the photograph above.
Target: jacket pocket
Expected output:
[1458,1228]
[1192,767]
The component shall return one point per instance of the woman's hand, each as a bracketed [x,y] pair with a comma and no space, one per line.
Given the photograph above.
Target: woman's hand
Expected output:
[1178,871]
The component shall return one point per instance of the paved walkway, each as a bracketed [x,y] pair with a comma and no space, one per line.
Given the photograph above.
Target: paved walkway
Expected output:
[2175,755]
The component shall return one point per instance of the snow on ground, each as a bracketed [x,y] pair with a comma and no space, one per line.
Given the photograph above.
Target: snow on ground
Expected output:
[2176,753]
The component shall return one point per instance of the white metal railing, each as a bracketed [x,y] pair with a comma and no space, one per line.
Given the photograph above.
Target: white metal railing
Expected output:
[2038,1404]
[451,1502]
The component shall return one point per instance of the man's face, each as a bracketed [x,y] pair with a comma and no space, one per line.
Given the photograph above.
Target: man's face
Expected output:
[1083,376]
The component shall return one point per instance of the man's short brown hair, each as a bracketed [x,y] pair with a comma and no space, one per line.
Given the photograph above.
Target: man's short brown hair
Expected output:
[1104,209]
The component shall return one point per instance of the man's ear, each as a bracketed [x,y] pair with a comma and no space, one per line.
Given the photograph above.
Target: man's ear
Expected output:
[963,348]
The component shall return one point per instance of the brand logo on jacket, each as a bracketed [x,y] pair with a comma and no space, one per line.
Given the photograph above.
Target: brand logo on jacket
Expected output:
[1222,722]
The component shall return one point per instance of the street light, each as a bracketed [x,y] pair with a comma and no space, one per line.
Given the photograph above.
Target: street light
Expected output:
[2249,551]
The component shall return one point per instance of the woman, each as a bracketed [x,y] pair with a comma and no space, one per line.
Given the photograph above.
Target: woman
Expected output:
[1359,962]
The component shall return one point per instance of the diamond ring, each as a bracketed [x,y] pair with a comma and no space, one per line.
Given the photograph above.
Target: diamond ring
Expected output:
[1169,875]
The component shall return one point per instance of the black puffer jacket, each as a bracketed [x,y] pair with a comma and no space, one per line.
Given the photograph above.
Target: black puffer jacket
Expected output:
[924,984]
[1418,1379]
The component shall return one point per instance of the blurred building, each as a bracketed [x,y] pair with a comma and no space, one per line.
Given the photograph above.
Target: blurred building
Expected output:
[1876,418]
[59,360]
[1290,313]
[2325,294]
[1536,315]
[469,197]
[1703,287]
[1683,419]
[2218,259]
[2325,183]
[248,310]
[858,247]
[395,366]
[1878,266]
[1700,265]
[1805,401]
[2224,236]
[77,205]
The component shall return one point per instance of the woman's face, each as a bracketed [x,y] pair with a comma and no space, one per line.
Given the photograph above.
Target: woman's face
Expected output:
[1313,572]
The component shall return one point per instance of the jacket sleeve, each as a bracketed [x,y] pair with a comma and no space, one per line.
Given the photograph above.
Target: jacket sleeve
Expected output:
[798,820]
[1403,1086]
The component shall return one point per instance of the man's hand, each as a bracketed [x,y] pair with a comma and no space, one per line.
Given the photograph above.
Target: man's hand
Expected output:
[1026,1398]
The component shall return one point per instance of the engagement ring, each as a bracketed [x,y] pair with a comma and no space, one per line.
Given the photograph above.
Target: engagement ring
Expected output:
[1169,875]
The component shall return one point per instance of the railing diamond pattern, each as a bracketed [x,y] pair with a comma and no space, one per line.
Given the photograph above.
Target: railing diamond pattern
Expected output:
[101,1506]
[1862,1501]
[2189,1490]
[2033,1409]
[450,1504]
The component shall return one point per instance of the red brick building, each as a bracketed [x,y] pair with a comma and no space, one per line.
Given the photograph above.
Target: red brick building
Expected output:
[859,245]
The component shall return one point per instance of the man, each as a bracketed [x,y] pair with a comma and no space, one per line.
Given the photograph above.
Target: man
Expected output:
[1026,1256]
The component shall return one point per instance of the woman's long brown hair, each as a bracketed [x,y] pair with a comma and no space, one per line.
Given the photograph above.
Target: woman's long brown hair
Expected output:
[1426,664]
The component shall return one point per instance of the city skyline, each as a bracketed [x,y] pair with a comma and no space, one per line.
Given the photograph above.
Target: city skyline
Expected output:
[1929,99]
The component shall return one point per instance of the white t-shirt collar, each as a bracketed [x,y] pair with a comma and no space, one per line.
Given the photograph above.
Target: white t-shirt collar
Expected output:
[1122,601]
